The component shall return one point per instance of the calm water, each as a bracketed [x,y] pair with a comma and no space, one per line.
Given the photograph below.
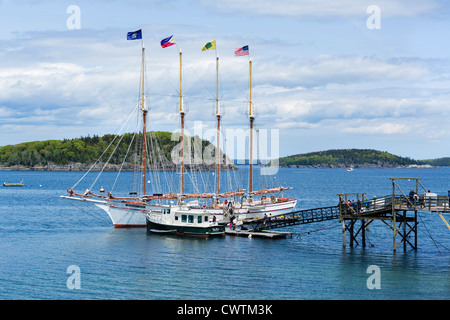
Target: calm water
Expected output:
[42,235]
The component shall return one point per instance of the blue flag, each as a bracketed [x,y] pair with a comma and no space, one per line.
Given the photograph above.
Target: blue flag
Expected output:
[135,35]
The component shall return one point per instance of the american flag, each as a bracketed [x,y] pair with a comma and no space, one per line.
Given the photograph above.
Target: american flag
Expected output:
[241,51]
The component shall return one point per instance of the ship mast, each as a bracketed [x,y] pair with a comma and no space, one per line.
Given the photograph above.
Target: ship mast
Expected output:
[218,130]
[252,118]
[182,131]
[144,130]
[167,42]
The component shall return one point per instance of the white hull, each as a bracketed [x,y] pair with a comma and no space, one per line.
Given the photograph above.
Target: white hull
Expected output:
[122,215]
[270,209]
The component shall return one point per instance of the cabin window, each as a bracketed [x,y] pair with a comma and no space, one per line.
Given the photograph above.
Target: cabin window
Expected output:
[206,218]
[199,219]
[191,219]
[183,218]
[176,218]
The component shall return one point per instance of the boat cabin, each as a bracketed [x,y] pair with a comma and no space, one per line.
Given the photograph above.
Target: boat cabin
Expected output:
[185,216]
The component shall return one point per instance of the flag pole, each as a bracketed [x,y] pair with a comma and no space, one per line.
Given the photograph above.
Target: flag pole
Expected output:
[209,46]
[240,52]
[144,129]
[252,118]
[134,36]
[182,128]
[218,129]
[164,44]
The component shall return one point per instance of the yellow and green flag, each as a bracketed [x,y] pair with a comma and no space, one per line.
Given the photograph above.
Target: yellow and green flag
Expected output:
[211,45]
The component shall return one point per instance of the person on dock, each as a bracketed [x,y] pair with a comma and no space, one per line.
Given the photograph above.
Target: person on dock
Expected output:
[448,196]
[358,206]
[411,197]
[232,225]
[348,209]
[431,197]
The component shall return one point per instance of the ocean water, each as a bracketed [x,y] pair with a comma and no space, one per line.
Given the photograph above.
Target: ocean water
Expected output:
[42,235]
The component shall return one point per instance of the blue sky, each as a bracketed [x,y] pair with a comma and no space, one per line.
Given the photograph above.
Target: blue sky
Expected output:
[320,75]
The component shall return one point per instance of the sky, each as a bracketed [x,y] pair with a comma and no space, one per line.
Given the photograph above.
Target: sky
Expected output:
[325,75]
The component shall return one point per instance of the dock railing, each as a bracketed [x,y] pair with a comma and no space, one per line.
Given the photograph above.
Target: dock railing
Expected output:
[304,216]
[352,204]
[425,201]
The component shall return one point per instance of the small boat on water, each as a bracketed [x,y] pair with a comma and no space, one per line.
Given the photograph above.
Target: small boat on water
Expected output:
[182,220]
[16,184]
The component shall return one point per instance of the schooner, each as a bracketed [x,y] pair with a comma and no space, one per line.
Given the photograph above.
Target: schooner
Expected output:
[172,212]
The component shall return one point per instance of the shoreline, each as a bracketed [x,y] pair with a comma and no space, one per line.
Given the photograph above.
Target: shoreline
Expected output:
[363,166]
[112,167]
[109,167]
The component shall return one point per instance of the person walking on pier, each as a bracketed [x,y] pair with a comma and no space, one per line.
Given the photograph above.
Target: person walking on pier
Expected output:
[411,197]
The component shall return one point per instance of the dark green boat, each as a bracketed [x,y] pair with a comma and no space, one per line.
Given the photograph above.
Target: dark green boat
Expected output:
[184,221]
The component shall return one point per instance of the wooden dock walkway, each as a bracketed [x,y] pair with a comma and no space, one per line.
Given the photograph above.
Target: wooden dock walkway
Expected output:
[304,216]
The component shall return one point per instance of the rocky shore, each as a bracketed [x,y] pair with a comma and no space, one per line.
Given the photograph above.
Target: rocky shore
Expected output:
[362,166]
[109,167]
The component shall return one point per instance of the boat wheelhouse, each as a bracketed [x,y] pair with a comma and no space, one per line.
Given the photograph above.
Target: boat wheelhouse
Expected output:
[183,220]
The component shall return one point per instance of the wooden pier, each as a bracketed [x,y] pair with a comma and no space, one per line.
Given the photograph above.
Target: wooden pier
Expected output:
[398,211]
[304,216]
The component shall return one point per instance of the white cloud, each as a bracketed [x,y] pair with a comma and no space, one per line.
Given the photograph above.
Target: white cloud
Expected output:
[78,82]
[324,70]
[303,91]
[5,112]
[375,127]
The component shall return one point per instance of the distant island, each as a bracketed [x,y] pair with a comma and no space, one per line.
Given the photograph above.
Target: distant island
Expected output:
[357,158]
[81,153]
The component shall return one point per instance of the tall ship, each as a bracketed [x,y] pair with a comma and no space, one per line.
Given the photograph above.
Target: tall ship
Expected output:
[207,209]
